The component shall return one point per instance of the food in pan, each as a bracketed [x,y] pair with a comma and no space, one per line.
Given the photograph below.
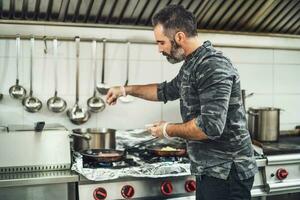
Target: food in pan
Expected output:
[108,154]
[168,148]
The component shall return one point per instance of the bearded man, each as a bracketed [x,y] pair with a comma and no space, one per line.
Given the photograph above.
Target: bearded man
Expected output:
[214,121]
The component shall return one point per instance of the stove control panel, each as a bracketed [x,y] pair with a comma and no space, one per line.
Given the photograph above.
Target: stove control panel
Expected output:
[190,186]
[127,191]
[281,173]
[137,188]
[100,193]
[166,188]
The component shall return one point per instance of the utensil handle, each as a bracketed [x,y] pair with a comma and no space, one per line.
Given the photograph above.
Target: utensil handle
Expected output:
[18,54]
[77,41]
[127,63]
[55,63]
[31,61]
[103,61]
[94,63]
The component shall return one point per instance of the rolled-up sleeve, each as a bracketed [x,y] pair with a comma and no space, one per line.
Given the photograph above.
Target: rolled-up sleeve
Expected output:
[214,90]
[168,91]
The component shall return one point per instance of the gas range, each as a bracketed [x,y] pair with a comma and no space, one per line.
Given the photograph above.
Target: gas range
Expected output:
[138,176]
[135,178]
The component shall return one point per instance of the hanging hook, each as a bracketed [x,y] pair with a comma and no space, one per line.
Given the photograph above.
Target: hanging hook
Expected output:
[45,44]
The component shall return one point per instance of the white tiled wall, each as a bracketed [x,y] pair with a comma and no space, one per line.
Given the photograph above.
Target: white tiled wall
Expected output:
[273,76]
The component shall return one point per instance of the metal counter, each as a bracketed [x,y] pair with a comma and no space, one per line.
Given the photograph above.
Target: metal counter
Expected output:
[39,185]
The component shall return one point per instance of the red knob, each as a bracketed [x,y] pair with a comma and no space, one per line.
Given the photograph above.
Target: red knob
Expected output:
[127,191]
[166,188]
[281,173]
[190,185]
[100,194]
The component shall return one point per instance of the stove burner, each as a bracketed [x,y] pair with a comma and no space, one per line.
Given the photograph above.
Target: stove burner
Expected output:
[128,162]
[285,145]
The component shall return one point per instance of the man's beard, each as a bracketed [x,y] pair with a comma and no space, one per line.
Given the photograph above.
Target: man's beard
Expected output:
[176,54]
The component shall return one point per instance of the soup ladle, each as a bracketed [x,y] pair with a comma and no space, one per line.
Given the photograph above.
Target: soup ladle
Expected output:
[76,114]
[95,103]
[31,103]
[17,91]
[102,87]
[56,104]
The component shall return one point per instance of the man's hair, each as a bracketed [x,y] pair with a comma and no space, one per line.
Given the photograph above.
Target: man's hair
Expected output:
[176,18]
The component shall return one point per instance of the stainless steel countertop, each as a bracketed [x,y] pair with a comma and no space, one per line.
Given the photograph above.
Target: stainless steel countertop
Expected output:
[37,178]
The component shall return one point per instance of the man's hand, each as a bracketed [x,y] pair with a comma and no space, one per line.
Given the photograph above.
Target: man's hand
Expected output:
[113,94]
[157,129]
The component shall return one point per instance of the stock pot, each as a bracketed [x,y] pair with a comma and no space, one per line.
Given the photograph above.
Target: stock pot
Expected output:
[264,123]
[93,138]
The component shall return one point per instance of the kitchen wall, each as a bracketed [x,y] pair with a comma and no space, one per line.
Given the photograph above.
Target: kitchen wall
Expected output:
[272,74]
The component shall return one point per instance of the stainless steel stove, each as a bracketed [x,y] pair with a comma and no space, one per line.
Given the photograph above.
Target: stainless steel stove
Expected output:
[137,177]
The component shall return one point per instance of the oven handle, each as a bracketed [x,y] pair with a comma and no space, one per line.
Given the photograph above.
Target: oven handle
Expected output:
[283,159]
[284,187]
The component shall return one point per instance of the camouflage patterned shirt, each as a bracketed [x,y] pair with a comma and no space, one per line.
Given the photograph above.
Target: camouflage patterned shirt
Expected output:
[208,87]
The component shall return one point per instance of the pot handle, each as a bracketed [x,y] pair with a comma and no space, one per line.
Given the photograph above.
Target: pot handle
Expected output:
[252,113]
[85,136]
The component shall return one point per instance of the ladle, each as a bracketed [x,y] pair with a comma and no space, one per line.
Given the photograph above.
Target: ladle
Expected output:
[127,98]
[56,104]
[17,91]
[95,103]
[102,87]
[77,115]
[30,103]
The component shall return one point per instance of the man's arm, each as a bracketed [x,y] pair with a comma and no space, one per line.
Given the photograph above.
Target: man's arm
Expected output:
[147,92]
[188,130]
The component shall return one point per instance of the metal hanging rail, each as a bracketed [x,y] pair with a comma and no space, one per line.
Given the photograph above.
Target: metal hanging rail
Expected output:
[149,42]
[82,39]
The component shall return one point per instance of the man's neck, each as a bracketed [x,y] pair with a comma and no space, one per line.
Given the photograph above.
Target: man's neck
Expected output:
[191,45]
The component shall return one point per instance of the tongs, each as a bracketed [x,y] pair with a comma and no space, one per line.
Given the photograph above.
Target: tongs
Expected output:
[138,145]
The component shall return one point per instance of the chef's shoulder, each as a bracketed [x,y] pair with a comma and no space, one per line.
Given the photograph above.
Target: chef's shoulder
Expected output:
[215,63]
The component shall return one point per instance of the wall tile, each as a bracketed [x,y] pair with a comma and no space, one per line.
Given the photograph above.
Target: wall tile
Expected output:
[286,77]
[243,55]
[252,76]
[286,57]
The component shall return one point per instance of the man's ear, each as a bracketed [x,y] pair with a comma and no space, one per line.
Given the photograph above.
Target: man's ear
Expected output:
[180,37]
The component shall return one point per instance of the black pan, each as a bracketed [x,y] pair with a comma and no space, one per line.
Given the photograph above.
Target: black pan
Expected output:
[102,155]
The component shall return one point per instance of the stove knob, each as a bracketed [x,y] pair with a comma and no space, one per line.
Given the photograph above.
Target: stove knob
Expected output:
[281,173]
[190,185]
[100,194]
[127,191]
[166,188]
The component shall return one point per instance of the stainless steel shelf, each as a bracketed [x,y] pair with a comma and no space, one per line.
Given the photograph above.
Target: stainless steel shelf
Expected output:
[37,178]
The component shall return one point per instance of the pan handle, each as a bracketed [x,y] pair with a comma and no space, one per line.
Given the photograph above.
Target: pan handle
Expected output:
[85,136]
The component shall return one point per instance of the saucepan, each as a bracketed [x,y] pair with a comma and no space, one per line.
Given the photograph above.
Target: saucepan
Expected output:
[93,138]
[102,155]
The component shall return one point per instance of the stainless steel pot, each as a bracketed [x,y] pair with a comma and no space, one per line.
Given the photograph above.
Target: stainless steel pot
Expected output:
[264,123]
[94,138]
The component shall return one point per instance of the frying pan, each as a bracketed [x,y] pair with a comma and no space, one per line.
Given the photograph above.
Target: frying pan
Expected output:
[157,151]
[98,155]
